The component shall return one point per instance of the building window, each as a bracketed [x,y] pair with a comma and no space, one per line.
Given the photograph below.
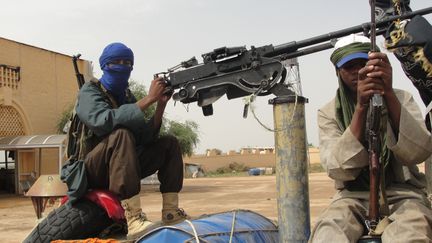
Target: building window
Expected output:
[9,76]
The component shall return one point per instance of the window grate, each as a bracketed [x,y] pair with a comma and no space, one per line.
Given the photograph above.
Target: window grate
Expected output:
[10,122]
[9,76]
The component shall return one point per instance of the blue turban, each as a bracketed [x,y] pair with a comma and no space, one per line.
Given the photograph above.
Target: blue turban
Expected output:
[115,76]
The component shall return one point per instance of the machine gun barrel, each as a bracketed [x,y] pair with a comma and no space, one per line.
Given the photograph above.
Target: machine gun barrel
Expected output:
[291,47]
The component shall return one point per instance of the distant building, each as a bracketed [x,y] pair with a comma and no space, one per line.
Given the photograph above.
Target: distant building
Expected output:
[231,152]
[213,152]
[245,151]
[257,150]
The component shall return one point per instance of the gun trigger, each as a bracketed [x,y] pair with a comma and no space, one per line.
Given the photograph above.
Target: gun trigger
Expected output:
[245,111]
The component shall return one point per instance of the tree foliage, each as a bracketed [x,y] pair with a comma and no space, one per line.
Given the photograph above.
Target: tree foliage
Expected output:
[64,118]
[186,133]
[139,91]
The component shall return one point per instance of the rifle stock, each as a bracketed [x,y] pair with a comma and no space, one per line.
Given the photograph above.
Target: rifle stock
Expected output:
[374,172]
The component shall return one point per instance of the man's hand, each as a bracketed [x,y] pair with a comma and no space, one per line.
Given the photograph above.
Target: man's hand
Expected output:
[156,90]
[166,96]
[374,78]
[155,94]
[381,69]
[161,104]
[377,78]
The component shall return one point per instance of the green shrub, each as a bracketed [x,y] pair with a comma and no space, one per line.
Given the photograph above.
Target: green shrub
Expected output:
[232,168]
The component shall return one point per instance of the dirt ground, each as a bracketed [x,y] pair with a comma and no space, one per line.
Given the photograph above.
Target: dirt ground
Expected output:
[199,196]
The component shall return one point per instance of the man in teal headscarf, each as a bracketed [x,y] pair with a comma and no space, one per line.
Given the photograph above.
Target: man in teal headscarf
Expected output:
[343,150]
[120,146]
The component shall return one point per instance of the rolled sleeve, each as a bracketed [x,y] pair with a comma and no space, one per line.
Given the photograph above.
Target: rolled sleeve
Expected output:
[342,155]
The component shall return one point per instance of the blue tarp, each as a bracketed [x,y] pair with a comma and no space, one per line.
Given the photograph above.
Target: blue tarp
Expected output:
[243,225]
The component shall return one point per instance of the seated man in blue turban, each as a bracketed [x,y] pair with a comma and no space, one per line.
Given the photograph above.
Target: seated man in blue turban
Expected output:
[120,146]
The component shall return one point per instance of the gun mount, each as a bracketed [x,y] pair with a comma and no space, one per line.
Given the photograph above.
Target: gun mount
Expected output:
[238,71]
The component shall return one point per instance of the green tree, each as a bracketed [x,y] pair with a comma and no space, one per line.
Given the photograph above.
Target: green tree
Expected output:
[139,91]
[64,118]
[186,133]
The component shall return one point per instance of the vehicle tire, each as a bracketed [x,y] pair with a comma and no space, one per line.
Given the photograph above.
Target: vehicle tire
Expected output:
[83,220]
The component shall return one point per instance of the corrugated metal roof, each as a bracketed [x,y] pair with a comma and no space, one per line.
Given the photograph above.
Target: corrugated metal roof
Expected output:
[32,141]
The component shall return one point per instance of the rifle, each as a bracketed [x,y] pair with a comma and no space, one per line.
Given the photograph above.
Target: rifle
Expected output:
[238,71]
[79,76]
[374,148]
[373,135]
[74,125]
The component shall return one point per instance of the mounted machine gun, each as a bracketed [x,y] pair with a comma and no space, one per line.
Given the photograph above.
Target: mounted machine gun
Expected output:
[238,71]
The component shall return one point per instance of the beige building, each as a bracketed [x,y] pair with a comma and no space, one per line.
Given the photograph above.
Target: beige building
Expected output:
[36,87]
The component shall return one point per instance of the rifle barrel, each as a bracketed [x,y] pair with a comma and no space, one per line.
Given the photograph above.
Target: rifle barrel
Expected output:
[373,26]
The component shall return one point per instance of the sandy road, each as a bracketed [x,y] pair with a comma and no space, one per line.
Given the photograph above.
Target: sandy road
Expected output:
[199,196]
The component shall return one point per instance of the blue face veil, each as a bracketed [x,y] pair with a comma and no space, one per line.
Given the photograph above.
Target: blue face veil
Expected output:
[115,76]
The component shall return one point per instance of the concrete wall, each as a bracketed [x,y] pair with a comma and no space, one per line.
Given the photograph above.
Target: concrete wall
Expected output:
[212,162]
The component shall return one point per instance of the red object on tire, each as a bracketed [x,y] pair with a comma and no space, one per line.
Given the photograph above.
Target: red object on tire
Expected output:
[106,200]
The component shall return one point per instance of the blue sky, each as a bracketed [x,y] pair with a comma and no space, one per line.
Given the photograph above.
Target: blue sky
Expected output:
[162,33]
